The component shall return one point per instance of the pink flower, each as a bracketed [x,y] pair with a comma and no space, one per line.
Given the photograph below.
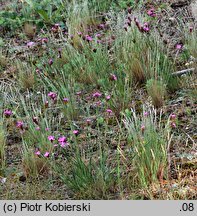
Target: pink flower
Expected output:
[146,27]
[65,100]
[129,10]
[173,125]
[30,44]
[113,77]
[46,104]
[172,116]
[151,12]
[75,132]
[38,153]
[38,70]
[88,38]
[51,138]
[98,35]
[101,26]
[46,154]
[52,95]
[179,46]
[142,128]
[35,120]
[55,27]
[88,121]
[19,124]
[97,94]
[108,97]
[7,113]
[47,129]
[44,40]
[50,61]
[109,111]
[79,33]
[62,139]
[191,29]
[37,128]
[145,114]
[55,145]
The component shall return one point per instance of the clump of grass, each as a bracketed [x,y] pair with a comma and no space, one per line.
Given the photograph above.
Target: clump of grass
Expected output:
[157,91]
[88,179]
[76,13]
[26,77]
[3,60]
[190,46]
[143,56]
[191,43]
[2,145]
[137,71]
[27,80]
[86,67]
[29,30]
[34,166]
[149,139]
[121,93]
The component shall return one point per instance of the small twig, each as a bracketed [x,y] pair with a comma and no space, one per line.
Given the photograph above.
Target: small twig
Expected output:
[179,73]
[194,144]
[168,155]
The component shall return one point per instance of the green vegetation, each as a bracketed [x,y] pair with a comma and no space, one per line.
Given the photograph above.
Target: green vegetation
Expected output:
[90,108]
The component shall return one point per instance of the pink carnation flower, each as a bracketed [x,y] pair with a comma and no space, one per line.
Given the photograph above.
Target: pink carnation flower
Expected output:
[108,97]
[113,77]
[65,100]
[37,128]
[142,128]
[51,138]
[173,125]
[172,116]
[62,139]
[97,94]
[30,44]
[179,46]
[109,111]
[50,61]
[88,38]
[145,114]
[7,113]
[151,12]
[46,154]
[75,132]
[19,124]
[88,121]
[52,95]
[38,153]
